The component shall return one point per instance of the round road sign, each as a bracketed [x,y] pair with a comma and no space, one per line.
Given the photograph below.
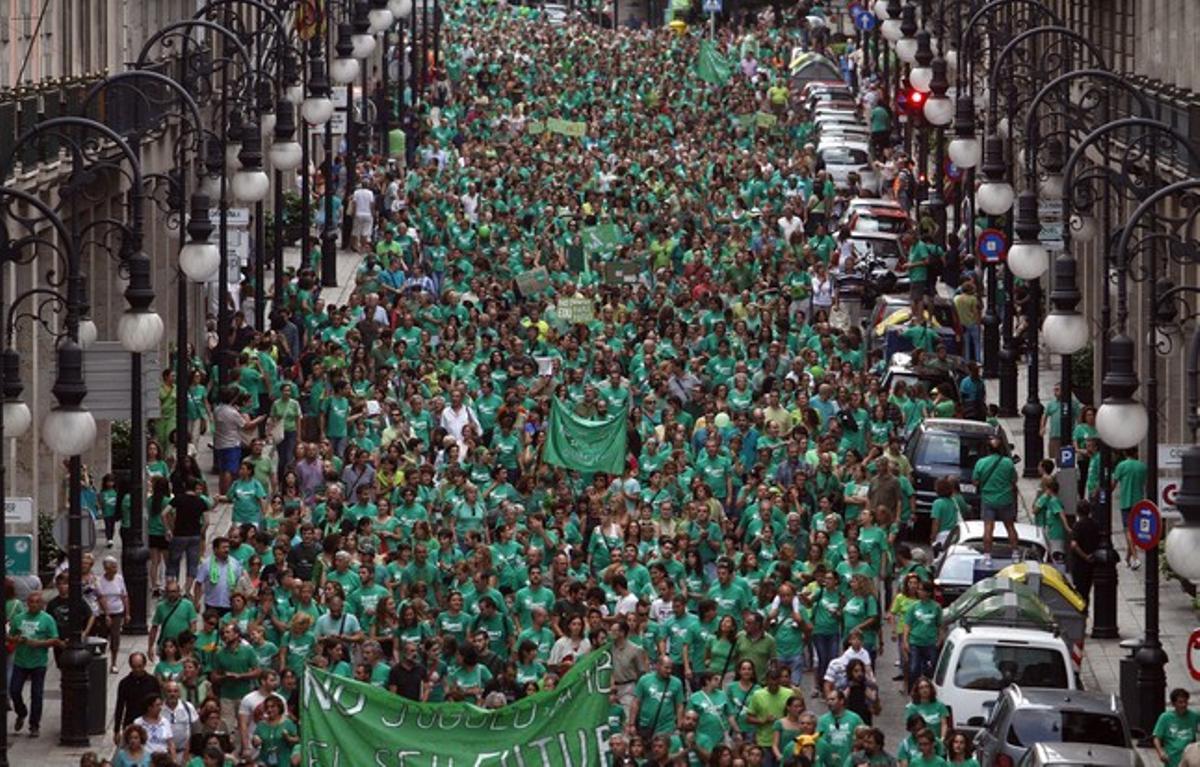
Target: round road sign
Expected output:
[1145,524]
[1193,655]
[992,246]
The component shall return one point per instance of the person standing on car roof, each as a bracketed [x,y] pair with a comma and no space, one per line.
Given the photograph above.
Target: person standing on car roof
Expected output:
[996,477]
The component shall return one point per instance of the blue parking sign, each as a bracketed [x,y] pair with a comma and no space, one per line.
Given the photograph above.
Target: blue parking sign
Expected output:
[1066,457]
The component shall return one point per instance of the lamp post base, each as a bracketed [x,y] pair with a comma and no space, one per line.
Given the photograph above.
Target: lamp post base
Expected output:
[329,258]
[1008,382]
[73,665]
[1151,684]
[1104,591]
[1034,448]
[991,345]
[134,561]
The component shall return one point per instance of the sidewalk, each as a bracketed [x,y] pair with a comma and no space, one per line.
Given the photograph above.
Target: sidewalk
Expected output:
[45,751]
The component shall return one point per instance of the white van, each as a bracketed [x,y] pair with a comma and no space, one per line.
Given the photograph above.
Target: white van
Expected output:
[978,661]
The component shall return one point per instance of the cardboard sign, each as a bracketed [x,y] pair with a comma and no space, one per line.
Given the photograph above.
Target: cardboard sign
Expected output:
[765,119]
[575,310]
[624,272]
[533,281]
[535,127]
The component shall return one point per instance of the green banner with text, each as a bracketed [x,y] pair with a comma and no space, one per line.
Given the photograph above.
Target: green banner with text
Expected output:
[347,723]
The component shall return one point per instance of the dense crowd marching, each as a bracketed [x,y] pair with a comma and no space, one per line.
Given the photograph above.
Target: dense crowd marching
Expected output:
[392,518]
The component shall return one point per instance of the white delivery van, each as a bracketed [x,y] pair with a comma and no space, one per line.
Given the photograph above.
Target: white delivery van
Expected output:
[978,661]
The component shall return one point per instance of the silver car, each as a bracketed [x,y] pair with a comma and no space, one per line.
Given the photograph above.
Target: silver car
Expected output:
[1079,755]
[843,158]
[1025,716]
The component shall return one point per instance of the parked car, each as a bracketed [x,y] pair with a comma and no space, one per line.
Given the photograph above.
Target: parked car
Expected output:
[555,13]
[949,447]
[978,661]
[894,312]
[945,379]
[869,215]
[843,158]
[958,556]
[1026,715]
[1079,755]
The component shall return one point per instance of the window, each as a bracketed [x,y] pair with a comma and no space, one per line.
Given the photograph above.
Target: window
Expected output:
[1031,726]
[995,666]
[951,449]
[844,156]
[939,674]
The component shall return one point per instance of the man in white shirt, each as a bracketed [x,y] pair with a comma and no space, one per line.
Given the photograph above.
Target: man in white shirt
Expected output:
[363,206]
[456,416]
[790,223]
[250,710]
[182,716]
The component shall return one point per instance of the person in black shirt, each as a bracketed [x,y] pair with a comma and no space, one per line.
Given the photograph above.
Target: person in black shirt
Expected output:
[132,694]
[59,609]
[185,519]
[1085,540]
[303,556]
[407,678]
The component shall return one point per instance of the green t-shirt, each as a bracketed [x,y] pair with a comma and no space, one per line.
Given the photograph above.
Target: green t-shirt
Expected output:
[996,475]
[247,496]
[764,703]
[1176,732]
[837,733]
[923,620]
[287,412]
[39,627]
[173,618]
[237,661]
[658,697]
[1130,478]
[932,712]
[713,708]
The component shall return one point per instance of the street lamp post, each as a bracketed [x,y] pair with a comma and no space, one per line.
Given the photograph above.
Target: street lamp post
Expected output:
[69,429]
[1122,421]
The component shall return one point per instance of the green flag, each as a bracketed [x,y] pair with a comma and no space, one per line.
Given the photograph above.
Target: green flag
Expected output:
[584,444]
[711,66]
[350,723]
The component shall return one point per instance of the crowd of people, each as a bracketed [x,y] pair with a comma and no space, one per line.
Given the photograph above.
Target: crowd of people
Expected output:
[392,517]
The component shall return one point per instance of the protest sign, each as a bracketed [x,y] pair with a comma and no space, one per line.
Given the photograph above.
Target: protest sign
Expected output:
[347,723]
[623,272]
[533,281]
[584,444]
[575,310]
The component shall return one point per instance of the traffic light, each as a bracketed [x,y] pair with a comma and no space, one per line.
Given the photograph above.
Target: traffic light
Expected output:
[914,102]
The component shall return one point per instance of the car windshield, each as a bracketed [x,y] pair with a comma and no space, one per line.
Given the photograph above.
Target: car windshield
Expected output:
[959,568]
[995,666]
[870,222]
[844,155]
[948,449]
[1031,726]
[886,249]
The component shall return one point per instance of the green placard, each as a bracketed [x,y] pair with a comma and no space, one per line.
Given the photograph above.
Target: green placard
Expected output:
[765,119]
[18,554]
[535,127]
[574,128]
[533,281]
[575,310]
[601,238]
[746,120]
